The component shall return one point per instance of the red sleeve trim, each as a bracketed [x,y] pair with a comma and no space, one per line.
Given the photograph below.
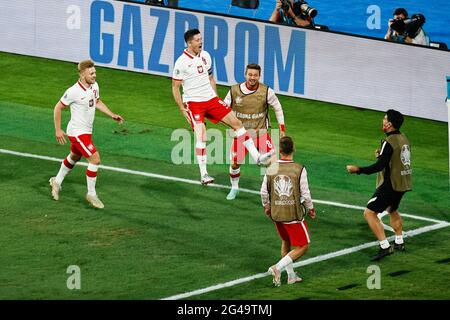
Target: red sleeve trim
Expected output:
[65,105]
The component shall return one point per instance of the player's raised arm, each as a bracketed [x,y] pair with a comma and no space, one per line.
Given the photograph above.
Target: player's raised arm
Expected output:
[103,108]
[59,133]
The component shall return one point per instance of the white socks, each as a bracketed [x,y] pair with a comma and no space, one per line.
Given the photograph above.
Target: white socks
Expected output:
[384,244]
[286,260]
[290,271]
[200,152]
[248,143]
[66,167]
[234,177]
[91,178]
[399,239]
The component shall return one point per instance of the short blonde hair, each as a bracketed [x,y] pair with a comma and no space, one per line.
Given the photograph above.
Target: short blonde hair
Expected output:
[85,64]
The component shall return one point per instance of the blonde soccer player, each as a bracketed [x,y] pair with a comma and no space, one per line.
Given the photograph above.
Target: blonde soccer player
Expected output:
[83,98]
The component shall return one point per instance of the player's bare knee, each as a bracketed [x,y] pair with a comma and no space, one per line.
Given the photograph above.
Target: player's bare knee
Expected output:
[94,159]
[369,214]
[75,157]
[235,123]
[235,166]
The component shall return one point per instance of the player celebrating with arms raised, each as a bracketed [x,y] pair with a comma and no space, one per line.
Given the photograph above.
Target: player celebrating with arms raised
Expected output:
[193,71]
[83,98]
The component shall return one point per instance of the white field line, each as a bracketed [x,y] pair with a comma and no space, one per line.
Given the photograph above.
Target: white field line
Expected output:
[305,262]
[163,177]
[438,224]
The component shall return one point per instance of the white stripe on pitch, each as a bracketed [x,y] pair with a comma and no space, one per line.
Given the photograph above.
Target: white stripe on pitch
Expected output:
[213,185]
[304,263]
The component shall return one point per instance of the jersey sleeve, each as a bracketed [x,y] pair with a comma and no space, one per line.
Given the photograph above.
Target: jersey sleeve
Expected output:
[177,73]
[265,196]
[304,190]
[68,98]
[276,105]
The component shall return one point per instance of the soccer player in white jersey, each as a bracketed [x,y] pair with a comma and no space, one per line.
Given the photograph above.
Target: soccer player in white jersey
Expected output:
[193,71]
[250,102]
[83,98]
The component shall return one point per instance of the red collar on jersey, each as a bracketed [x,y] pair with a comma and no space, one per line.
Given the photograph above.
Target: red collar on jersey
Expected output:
[190,55]
[81,85]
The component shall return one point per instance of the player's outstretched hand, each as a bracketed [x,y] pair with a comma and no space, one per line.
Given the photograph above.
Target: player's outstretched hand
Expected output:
[118,118]
[312,213]
[60,136]
[352,169]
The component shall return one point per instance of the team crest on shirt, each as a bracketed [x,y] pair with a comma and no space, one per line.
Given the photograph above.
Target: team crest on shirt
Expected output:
[283,185]
[91,103]
[200,69]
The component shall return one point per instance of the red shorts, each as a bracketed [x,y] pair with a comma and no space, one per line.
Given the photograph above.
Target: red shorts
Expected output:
[296,233]
[82,145]
[215,110]
[238,151]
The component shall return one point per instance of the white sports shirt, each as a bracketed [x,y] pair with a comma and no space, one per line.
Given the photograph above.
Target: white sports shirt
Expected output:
[194,72]
[82,102]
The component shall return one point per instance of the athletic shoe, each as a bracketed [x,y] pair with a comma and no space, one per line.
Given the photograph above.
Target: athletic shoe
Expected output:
[264,159]
[95,201]
[383,253]
[207,179]
[294,279]
[399,247]
[55,188]
[233,193]
[276,274]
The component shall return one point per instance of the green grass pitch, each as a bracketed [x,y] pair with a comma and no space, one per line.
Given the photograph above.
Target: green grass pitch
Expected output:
[159,238]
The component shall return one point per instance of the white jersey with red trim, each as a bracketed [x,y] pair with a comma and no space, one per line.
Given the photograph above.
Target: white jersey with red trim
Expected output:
[82,102]
[194,72]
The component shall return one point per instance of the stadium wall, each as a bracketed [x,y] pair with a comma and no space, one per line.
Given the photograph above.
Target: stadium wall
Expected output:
[311,64]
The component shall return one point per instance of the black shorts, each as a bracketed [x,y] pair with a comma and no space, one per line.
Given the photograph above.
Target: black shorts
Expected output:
[385,199]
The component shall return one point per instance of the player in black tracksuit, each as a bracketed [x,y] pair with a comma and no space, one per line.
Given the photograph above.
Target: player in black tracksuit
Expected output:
[394,179]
